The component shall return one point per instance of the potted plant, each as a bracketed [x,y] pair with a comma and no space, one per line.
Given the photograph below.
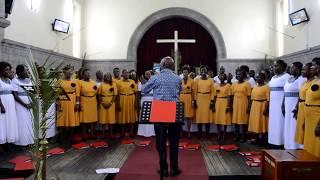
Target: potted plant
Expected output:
[44,94]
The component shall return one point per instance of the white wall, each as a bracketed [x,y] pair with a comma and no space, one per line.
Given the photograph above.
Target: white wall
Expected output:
[305,35]
[33,27]
[244,24]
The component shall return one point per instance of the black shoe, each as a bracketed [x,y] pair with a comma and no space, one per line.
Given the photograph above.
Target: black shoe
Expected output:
[175,172]
[165,172]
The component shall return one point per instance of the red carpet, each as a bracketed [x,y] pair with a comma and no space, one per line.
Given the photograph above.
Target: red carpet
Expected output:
[143,164]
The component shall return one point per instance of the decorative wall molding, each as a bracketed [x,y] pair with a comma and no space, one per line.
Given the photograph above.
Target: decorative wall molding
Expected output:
[16,53]
[303,56]
[254,64]
[108,65]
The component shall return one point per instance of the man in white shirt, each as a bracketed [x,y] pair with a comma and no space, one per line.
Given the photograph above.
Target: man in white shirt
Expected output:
[216,79]
[185,66]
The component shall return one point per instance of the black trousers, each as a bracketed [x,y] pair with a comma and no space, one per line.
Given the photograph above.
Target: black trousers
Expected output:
[172,133]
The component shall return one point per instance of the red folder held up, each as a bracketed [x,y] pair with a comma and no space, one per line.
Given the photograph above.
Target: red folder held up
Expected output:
[163,112]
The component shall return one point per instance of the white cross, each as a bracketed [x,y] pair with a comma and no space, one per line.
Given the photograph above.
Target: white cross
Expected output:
[176,41]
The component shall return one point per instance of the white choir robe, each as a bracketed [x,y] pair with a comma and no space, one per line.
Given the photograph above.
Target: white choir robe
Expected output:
[24,115]
[276,118]
[8,120]
[291,97]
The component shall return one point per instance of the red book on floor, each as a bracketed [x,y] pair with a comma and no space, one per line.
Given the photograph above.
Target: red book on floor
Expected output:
[183,145]
[144,143]
[80,145]
[230,147]
[253,164]
[254,158]
[19,159]
[99,144]
[193,146]
[55,151]
[24,166]
[127,141]
[163,112]
[249,153]
[213,148]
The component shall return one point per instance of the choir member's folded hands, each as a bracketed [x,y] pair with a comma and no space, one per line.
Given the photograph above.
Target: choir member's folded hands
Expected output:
[295,112]
[283,109]
[212,107]
[3,110]
[27,106]
[266,111]
[194,104]
[77,107]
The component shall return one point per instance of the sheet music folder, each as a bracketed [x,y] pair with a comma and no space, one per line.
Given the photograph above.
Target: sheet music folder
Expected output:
[157,111]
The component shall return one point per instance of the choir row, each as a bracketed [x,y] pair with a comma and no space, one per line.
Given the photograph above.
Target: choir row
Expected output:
[287,107]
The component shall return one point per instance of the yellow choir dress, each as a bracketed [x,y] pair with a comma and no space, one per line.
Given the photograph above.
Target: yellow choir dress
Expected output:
[127,90]
[204,93]
[312,115]
[88,101]
[107,92]
[240,92]
[186,98]
[66,115]
[116,81]
[223,94]
[258,122]
[301,116]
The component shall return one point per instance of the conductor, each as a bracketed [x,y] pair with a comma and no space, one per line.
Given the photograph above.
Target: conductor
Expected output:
[166,87]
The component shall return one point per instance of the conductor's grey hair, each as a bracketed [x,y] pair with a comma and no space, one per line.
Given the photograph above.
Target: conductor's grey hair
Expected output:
[167,62]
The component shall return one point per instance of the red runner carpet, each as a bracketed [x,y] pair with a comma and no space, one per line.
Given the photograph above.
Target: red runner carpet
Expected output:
[143,164]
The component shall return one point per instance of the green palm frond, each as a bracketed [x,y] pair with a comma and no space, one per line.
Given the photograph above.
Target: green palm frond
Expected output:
[44,79]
